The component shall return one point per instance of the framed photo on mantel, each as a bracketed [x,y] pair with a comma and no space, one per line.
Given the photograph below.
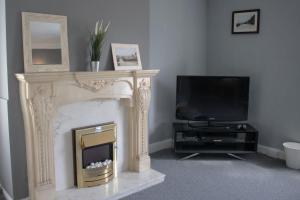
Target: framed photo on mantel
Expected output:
[126,56]
[245,21]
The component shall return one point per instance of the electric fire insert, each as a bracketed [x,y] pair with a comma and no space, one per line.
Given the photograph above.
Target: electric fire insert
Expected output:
[94,150]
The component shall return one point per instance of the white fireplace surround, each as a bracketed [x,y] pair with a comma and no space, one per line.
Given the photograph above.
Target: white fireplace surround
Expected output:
[43,93]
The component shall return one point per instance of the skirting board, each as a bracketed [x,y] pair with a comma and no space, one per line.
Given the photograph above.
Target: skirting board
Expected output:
[268,151]
[157,146]
[271,152]
[5,194]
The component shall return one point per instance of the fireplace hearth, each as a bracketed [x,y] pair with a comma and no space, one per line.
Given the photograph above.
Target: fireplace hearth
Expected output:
[94,150]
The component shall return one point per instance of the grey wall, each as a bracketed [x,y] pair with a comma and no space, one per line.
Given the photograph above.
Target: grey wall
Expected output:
[3,56]
[177,46]
[130,24]
[5,156]
[271,58]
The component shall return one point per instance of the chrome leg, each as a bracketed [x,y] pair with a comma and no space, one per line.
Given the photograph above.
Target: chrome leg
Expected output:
[235,156]
[189,156]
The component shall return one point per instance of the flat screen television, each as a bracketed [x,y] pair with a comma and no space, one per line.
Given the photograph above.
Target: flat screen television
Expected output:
[212,98]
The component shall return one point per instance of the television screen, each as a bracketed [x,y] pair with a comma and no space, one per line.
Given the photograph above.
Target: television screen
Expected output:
[212,98]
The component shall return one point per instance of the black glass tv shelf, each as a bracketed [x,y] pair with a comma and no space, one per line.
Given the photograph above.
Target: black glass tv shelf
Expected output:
[224,138]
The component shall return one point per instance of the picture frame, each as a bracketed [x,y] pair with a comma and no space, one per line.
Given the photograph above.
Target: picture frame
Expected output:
[126,56]
[45,43]
[245,21]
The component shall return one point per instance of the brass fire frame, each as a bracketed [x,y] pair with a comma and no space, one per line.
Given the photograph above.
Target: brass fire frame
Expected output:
[85,137]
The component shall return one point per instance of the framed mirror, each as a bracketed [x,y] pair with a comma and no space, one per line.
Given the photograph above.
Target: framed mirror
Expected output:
[45,42]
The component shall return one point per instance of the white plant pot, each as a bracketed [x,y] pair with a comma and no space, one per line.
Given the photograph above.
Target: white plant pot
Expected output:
[292,154]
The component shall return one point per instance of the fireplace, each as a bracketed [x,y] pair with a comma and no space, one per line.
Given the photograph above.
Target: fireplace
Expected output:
[42,94]
[94,150]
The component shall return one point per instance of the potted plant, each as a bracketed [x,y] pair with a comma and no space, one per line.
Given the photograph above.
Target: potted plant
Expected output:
[96,42]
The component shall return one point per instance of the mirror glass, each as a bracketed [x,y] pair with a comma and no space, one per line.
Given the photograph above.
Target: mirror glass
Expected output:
[46,43]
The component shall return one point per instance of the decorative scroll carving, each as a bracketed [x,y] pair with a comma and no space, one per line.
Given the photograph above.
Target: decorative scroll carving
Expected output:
[41,108]
[143,97]
[97,85]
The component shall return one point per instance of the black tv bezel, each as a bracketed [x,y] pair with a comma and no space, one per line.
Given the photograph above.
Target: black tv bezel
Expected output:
[209,118]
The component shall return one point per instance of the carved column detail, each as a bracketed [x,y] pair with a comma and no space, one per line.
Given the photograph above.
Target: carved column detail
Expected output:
[41,109]
[143,101]
[142,98]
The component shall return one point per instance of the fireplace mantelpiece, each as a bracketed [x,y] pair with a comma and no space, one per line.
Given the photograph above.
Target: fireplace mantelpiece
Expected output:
[42,93]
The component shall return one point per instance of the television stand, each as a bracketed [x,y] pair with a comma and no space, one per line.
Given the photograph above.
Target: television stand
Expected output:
[225,139]
[200,124]
[211,124]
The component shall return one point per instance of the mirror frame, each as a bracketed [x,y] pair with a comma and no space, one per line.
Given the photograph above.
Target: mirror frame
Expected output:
[28,17]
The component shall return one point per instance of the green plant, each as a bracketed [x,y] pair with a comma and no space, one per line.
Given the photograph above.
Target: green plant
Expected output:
[96,40]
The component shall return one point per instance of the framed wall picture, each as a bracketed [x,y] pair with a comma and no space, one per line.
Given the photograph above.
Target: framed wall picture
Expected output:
[126,56]
[245,21]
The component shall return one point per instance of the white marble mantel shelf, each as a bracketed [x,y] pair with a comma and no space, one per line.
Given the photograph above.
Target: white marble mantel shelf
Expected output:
[43,93]
[56,76]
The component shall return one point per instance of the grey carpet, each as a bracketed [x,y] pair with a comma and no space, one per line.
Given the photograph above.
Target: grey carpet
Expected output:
[219,177]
